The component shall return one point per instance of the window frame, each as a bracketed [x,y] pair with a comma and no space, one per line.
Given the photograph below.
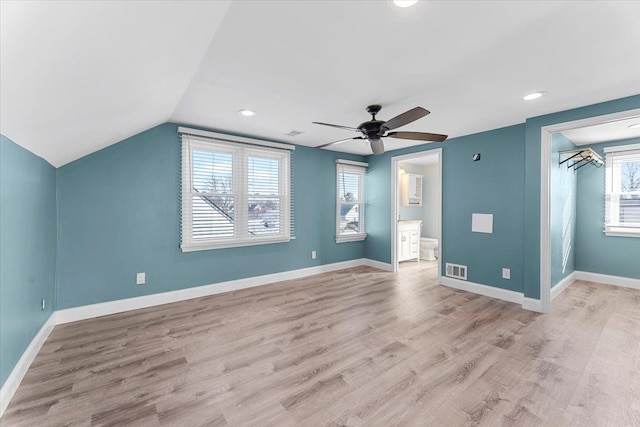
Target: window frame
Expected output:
[360,169]
[614,157]
[241,149]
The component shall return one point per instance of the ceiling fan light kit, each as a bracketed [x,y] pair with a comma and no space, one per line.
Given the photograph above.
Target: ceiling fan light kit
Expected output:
[374,130]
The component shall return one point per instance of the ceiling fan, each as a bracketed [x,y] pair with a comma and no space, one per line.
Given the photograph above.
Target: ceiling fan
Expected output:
[374,130]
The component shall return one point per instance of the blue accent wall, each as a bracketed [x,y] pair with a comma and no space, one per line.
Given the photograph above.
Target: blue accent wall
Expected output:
[27,249]
[563,210]
[595,251]
[532,179]
[493,185]
[119,214]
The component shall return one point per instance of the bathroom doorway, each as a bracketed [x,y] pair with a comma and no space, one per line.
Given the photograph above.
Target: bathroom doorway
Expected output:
[417,210]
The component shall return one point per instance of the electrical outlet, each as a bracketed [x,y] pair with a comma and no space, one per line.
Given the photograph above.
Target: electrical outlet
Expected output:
[313,254]
[506,273]
[43,304]
[140,278]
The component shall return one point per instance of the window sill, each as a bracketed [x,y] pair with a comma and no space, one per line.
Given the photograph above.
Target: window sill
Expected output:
[204,246]
[351,238]
[622,231]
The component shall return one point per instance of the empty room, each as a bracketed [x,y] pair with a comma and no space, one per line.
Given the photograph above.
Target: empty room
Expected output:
[437,223]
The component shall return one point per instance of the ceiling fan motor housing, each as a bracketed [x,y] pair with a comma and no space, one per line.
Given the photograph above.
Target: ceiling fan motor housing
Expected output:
[372,128]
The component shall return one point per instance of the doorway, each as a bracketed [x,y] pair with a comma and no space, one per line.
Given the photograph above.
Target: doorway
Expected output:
[416,216]
[548,132]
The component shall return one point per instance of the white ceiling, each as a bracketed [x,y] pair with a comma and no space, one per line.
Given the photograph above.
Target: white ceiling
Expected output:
[78,76]
[429,159]
[611,131]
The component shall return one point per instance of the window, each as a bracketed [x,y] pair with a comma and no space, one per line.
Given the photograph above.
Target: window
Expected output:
[622,198]
[350,203]
[234,193]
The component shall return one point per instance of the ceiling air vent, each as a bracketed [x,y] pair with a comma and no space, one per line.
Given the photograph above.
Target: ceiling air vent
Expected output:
[294,133]
[457,271]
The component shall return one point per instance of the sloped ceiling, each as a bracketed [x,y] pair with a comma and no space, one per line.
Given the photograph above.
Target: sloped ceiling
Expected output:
[78,76]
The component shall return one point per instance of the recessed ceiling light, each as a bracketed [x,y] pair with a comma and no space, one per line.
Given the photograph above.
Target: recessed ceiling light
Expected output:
[534,95]
[247,113]
[404,3]
[634,126]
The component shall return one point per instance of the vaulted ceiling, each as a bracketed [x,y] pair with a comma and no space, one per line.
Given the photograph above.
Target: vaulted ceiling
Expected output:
[79,76]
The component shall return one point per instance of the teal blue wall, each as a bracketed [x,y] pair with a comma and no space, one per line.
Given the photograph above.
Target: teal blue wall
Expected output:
[494,185]
[119,214]
[596,252]
[27,249]
[532,180]
[563,211]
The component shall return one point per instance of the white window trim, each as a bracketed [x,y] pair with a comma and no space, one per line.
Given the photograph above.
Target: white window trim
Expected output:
[360,169]
[611,228]
[242,147]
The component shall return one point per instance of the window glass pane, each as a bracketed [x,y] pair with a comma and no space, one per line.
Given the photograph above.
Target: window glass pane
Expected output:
[630,176]
[349,218]
[349,187]
[263,176]
[212,217]
[264,216]
[629,210]
[213,200]
[212,172]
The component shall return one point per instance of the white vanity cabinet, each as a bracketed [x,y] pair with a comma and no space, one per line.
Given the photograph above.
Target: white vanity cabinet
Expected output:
[411,189]
[409,240]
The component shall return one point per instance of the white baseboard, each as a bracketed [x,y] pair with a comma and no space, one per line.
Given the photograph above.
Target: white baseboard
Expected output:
[112,307]
[490,291]
[378,264]
[477,288]
[17,374]
[562,285]
[532,304]
[626,282]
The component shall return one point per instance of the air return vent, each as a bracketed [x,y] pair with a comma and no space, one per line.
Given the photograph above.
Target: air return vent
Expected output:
[457,271]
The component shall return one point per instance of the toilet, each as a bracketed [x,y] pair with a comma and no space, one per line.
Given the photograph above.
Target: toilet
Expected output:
[428,247]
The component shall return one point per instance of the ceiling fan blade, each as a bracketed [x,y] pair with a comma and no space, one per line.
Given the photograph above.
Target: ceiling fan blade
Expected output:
[405,118]
[376,146]
[336,126]
[418,136]
[340,141]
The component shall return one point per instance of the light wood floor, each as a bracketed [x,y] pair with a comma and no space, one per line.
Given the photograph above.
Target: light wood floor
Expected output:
[358,347]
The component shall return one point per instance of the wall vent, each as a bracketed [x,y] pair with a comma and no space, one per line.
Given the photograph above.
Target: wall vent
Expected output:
[457,271]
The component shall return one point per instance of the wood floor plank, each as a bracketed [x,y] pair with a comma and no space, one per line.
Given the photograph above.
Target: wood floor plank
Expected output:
[357,347]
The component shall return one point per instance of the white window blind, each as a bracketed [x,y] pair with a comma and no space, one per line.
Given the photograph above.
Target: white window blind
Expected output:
[622,191]
[350,200]
[234,194]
